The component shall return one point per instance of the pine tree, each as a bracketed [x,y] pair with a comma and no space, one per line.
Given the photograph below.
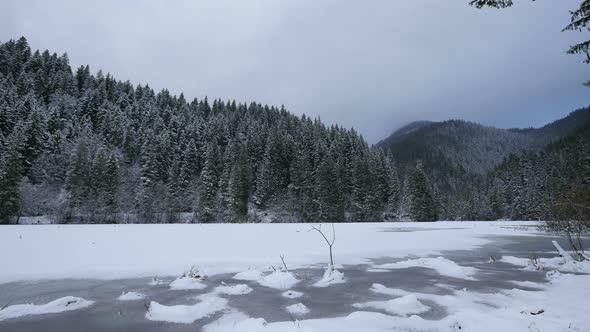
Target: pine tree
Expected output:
[393,195]
[329,188]
[422,206]
[208,185]
[11,168]
[238,187]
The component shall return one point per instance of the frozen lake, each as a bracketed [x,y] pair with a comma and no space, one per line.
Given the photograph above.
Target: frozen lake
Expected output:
[108,313]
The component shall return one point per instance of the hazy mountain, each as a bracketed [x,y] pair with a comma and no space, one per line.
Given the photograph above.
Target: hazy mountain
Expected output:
[406,131]
[456,154]
[472,147]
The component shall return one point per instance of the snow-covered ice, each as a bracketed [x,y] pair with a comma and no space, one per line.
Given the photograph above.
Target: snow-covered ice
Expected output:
[401,306]
[186,314]
[442,265]
[561,307]
[558,305]
[131,296]
[63,304]
[120,251]
[297,309]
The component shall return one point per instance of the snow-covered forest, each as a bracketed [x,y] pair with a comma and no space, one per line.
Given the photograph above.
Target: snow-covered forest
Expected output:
[79,147]
[89,148]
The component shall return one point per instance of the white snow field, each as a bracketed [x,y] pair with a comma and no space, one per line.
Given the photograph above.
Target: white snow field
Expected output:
[252,254]
[122,251]
[67,303]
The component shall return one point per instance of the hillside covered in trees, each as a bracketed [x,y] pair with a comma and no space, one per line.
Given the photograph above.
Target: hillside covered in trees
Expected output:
[526,186]
[463,159]
[90,148]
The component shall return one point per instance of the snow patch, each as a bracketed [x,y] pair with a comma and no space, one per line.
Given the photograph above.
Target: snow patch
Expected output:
[527,284]
[553,263]
[298,309]
[131,296]
[562,306]
[63,304]
[240,289]
[402,306]
[249,275]
[330,277]
[380,289]
[442,265]
[185,314]
[279,280]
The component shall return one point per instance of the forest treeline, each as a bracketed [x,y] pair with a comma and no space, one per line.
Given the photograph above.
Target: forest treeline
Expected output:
[88,148]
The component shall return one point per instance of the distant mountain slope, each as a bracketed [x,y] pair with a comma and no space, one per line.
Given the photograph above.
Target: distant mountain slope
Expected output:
[560,128]
[525,187]
[456,154]
[471,147]
[405,131]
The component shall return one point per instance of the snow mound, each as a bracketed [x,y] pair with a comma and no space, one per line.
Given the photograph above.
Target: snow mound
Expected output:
[402,306]
[553,263]
[279,280]
[249,275]
[330,277]
[290,294]
[442,265]
[131,296]
[187,283]
[185,314]
[298,309]
[63,304]
[380,289]
[239,322]
[240,289]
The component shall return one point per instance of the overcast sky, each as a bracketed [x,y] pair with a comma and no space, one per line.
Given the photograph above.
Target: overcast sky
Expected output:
[372,65]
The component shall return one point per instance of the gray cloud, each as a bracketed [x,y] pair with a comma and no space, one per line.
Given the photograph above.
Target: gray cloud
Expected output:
[372,65]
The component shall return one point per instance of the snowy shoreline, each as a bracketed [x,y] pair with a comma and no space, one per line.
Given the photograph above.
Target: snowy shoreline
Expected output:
[147,250]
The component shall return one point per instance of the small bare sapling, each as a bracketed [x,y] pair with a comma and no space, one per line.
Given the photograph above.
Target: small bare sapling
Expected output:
[330,243]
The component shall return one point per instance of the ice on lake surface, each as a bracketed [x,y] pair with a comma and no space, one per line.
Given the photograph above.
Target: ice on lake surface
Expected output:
[435,297]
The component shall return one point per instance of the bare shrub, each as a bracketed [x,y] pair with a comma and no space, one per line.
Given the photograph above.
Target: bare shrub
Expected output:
[571,217]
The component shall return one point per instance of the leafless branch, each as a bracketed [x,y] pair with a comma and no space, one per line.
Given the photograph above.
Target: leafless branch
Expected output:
[330,243]
[284,264]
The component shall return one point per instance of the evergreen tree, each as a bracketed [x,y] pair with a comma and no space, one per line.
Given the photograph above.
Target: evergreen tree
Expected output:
[422,207]
[208,185]
[11,168]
